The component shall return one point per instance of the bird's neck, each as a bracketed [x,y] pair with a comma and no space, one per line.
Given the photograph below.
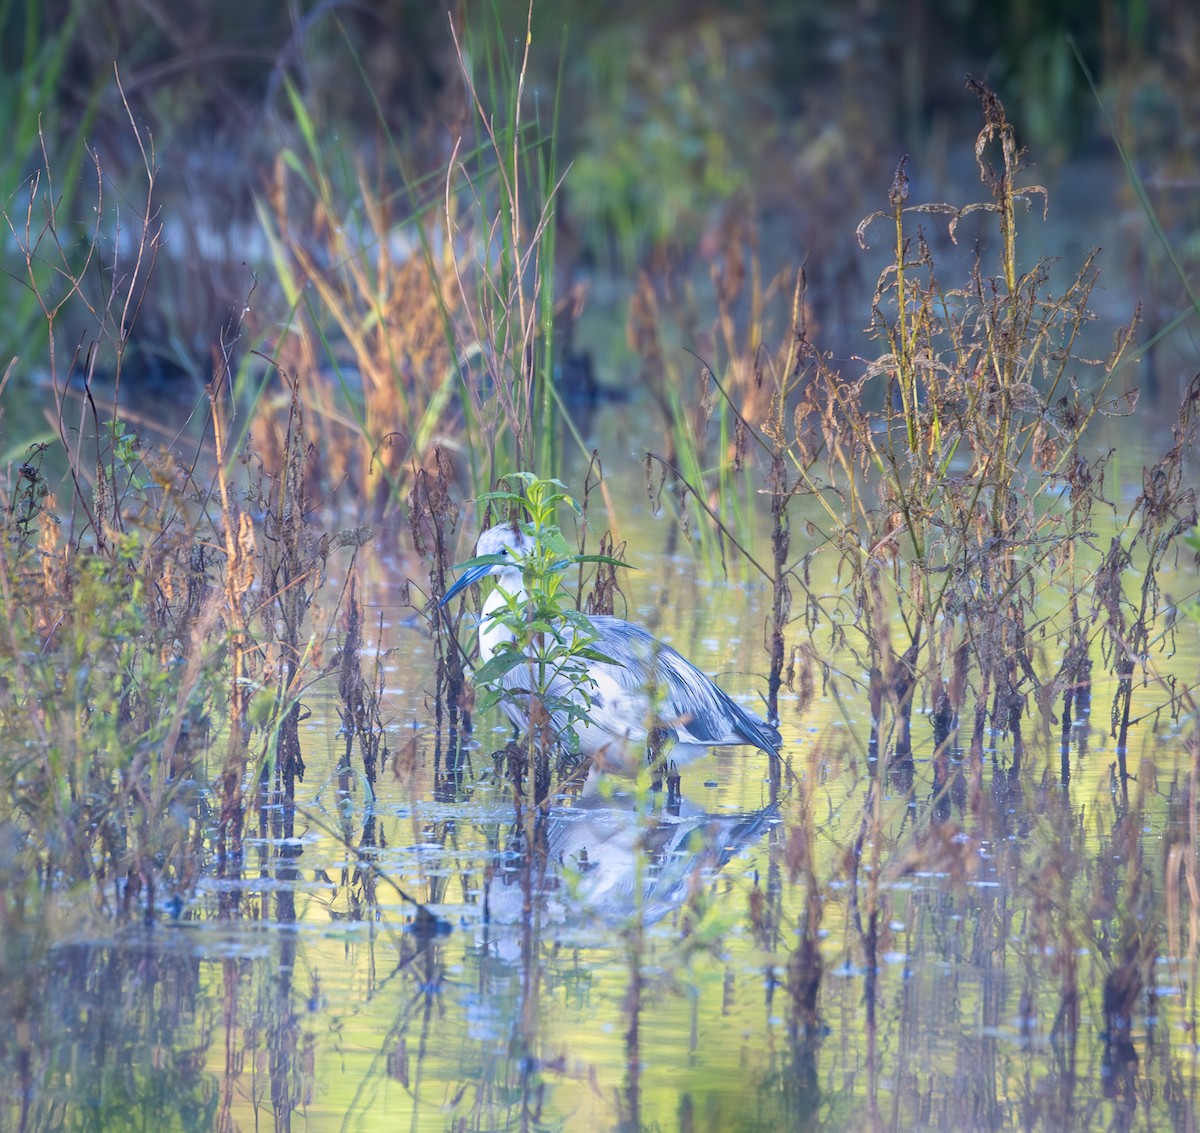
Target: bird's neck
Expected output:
[492,631]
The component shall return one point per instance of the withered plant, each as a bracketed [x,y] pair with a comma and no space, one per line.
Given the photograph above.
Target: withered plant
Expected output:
[291,552]
[957,484]
[111,637]
[957,490]
[415,322]
[159,621]
[433,517]
[371,293]
[1138,627]
[713,448]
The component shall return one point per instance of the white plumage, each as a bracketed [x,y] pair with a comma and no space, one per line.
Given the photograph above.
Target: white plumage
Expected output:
[648,693]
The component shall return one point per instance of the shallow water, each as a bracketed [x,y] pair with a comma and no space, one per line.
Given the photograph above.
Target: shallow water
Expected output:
[825,953]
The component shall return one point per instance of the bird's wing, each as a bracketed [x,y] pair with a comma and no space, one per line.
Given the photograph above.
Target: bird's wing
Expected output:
[644,682]
[686,702]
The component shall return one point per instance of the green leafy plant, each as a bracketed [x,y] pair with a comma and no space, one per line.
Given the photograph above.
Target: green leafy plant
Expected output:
[552,642]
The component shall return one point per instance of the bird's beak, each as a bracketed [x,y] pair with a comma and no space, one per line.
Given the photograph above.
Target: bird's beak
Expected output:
[472,573]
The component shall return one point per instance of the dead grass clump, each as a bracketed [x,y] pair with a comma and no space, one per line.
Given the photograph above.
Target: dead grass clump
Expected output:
[159,617]
[953,474]
[370,295]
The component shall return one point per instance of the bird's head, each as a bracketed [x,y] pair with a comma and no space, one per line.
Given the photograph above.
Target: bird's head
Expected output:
[500,550]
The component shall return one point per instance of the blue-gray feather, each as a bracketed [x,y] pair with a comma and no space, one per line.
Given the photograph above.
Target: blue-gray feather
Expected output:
[643,693]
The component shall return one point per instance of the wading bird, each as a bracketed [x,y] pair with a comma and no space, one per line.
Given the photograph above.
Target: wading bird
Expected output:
[644,696]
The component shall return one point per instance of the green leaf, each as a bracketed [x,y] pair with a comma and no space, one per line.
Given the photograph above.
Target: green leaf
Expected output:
[499,666]
[607,560]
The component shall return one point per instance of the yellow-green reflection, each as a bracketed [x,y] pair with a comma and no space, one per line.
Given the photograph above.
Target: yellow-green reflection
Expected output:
[867,957]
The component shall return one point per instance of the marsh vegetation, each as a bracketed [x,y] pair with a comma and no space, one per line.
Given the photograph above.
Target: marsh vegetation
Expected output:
[270,851]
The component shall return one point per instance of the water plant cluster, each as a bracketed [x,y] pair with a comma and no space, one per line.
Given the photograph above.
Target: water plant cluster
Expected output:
[166,619]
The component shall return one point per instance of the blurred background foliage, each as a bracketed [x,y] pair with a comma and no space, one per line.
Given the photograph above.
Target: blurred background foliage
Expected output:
[671,117]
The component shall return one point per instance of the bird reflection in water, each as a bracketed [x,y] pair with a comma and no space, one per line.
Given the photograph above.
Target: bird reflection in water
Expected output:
[599,861]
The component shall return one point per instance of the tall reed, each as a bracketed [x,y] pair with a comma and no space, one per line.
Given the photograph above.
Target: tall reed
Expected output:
[503,258]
